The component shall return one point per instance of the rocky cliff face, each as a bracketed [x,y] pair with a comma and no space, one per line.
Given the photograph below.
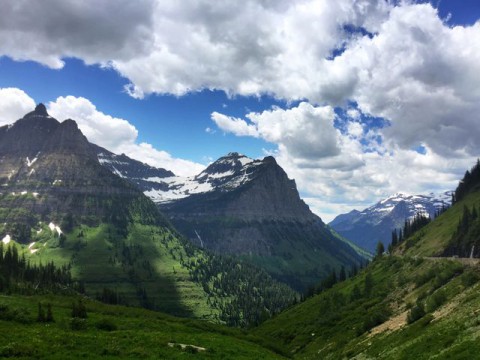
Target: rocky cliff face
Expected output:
[250,208]
[376,223]
[49,169]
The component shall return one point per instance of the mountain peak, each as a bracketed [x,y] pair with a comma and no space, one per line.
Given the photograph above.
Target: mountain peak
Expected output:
[40,109]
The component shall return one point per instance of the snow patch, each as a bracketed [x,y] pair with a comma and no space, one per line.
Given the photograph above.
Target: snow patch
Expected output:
[31,244]
[33,251]
[30,163]
[56,228]
[56,181]
[221,175]
[24,193]
[245,160]
[6,239]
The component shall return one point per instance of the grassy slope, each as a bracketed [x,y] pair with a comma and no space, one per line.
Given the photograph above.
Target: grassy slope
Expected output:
[433,238]
[331,325]
[140,334]
[96,258]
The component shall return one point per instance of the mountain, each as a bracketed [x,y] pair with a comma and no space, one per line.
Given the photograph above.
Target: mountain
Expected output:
[251,209]
[414,303]
[60,203]
[366,228]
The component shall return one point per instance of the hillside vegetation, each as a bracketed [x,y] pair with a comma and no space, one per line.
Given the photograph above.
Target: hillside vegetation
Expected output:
[412,304]
[110,332]
[397,308]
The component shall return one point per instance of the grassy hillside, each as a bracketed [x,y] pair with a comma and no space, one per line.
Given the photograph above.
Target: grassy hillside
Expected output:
[366,317]
[434,238]
[152,267]
[116,332]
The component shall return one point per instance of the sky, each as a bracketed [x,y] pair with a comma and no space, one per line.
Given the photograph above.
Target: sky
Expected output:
[356,99]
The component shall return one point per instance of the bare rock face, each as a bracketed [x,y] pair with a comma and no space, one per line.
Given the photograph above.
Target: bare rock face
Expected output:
[49,169]
[250,208]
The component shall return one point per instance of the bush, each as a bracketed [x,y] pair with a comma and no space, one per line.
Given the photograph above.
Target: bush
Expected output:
[78,324]
[435,301]
[19,315]
[470,278]
[417,312]
[106,325]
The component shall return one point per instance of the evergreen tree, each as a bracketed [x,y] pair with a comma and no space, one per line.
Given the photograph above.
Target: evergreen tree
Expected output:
[368,284]
[380,249]
[41,313]
[49,317]
[342,276]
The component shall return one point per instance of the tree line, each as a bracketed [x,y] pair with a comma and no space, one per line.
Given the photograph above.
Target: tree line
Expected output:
[17,275]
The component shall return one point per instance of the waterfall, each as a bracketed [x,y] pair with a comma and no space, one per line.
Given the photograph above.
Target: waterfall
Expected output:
[471,252]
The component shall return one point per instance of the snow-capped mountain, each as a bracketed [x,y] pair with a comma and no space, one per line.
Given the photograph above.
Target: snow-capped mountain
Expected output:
[249,208]
[375,223]
[225,174]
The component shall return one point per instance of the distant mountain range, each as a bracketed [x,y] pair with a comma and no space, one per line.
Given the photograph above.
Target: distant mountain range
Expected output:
[247,208]
[375,223]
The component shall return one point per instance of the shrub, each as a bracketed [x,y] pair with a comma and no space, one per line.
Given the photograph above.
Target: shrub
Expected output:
[435,301]
[78,324]
[106,325]
[416,312]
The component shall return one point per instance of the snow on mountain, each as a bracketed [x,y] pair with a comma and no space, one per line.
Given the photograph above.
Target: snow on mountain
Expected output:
[415,204]
[225,174]
[375,223]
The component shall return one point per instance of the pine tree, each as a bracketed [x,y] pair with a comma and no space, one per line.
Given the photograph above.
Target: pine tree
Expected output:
[380,249]
[41,314]
[342,276]
[49,317]
[368,285]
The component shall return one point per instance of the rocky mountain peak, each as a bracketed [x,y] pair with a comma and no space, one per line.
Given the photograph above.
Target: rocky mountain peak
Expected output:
[40,111]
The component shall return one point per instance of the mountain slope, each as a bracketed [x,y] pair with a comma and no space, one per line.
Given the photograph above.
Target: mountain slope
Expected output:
[116,332]
[411,304]
[250,208]
[58,202]
[376,223]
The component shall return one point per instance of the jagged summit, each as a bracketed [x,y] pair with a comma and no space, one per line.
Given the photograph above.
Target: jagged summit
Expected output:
[40,111]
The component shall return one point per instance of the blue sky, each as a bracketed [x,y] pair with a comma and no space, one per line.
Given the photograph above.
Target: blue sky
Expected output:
[353,116]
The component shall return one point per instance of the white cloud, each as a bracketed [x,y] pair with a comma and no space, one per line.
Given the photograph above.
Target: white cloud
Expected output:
[415,71]
[233,125]
[419,74]
[14,103]
[116,135]
[305,131]
[363,168]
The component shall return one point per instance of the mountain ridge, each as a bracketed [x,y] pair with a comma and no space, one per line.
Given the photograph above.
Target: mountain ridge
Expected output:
[373,224]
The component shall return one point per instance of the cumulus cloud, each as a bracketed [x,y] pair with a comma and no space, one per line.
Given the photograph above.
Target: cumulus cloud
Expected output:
[339,171]
[95,31]
[305,131]
[397,60]
[394,60]
[14,103]
[116,135]
[419,74]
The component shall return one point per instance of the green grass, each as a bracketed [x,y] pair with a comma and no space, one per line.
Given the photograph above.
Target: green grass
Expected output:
[332,325]
[131,333]
[96,255]
[433,238]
